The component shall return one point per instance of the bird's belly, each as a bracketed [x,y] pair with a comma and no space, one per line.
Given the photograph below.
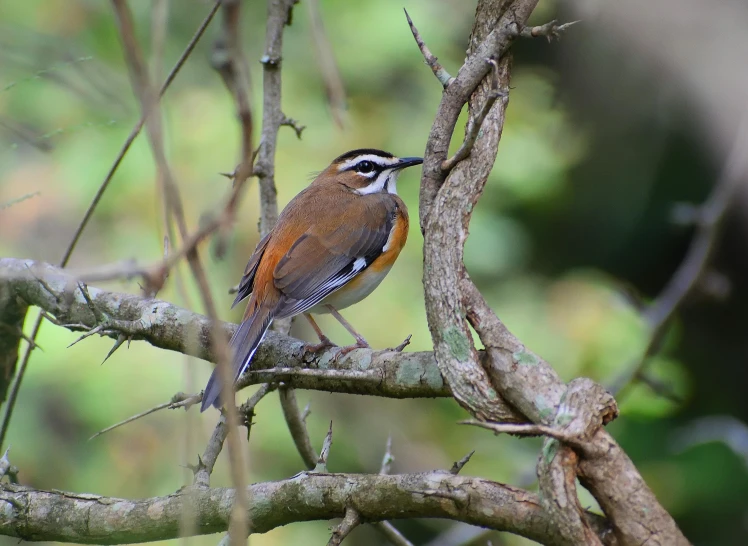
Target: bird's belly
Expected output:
[353,292]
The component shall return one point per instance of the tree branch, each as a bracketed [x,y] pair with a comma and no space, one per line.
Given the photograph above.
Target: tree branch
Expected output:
[433,63]
[476,122]
[350,521]
[508,370]
[90,210]
[709,219]
[12,314]
[167,326]
[605,469]
[35,515]
[550,30]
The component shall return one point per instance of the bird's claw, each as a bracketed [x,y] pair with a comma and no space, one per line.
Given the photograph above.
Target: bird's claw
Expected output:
[360,344]
[324,343]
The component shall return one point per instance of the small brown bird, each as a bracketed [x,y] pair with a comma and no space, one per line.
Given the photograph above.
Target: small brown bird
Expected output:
[331,247]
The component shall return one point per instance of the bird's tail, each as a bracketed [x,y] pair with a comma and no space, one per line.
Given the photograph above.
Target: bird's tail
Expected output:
[244,343]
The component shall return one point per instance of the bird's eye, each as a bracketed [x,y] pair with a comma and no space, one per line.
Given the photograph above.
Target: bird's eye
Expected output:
[365,167]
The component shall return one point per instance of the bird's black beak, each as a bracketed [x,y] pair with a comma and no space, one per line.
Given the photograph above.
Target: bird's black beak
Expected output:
[406,162]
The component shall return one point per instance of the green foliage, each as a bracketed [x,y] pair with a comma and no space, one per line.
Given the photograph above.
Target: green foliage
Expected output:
[64,87]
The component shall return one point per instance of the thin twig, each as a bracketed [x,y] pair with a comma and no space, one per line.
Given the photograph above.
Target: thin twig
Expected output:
[387,459]
[17,332]
[5,463]
[523,430]
[89,213]
[550,30]
[228,60]
[392,534]
[297,427]
[321,466]
[334,88]
[293,124]
[24,197]
[179,400]
[686,279]
[442,75]
[215,444]
[173,205]
[279,15]
[343,529]
[247,409]
[385,527]
[476,122]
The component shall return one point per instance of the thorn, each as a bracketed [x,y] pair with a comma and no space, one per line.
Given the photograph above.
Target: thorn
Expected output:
[293,124]
[5,466]
[89,302]
[405,343]
[87,334]
[117,344]
[461,463]
[321,467]
[387,459]
[306,413]
[195,468]
[550,30]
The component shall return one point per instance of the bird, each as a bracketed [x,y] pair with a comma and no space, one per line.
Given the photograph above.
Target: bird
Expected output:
[330,248]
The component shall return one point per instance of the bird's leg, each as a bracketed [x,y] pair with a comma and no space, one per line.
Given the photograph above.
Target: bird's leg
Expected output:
[324,341]
[361,343]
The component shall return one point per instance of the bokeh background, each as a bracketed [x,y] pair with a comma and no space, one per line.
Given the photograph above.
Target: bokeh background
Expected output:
[629,114]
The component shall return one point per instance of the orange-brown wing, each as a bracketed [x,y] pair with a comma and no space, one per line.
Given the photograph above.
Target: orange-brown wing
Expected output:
[329,254]
[246,285]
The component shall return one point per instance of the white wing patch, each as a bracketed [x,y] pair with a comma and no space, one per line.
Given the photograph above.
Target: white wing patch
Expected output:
[301,306]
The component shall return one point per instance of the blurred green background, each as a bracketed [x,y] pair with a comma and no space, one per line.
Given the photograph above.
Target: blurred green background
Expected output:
[573,230]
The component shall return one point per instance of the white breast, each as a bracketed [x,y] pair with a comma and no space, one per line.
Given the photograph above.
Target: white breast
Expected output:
[354,292]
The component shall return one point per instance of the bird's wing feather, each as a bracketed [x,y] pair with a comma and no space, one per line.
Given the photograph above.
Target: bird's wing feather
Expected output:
[322,261]
[246,285]
[244,343]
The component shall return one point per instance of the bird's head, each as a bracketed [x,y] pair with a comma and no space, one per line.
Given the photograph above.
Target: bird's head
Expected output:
[367,171]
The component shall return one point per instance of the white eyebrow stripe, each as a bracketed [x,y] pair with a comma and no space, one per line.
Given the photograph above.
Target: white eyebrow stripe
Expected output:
[377,159]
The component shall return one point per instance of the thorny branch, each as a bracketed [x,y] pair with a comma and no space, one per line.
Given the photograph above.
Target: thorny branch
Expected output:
[167,326]
[476,122]
[279,16]
[433,63]
[92,207]
[550,30]
[509,372]
[92,519]
[350,521]
[173,206]
[334,88]
[506,383]
[205,464]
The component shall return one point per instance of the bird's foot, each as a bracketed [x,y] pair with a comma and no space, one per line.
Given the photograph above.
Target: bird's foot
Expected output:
[324,343]
[360,344]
